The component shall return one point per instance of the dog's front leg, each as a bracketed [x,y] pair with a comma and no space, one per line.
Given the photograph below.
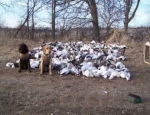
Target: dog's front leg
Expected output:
[41,67]
[19,66]
[50,67]
[29,67]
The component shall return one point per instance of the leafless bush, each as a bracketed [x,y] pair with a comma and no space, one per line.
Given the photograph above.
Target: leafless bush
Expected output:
[138,34]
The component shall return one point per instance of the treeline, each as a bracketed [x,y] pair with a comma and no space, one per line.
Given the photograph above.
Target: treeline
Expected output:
[93,19]
[46,33]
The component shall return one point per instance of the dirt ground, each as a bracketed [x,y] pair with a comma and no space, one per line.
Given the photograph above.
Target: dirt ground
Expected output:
[30,94]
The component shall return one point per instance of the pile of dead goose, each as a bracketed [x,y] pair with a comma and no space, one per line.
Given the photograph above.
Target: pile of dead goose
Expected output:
[87,59]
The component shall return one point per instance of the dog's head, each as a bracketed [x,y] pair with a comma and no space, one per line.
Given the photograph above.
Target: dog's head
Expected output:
[23,48]
[46,49]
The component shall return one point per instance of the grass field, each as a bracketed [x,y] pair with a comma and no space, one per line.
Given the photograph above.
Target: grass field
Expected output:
[31,94]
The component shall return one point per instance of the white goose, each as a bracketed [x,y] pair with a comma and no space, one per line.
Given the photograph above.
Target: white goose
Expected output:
[103,70]
[88,73]
[84,67]
[10,64]
[125,74]
[85,47]
[73,69]
[121,58]
[34,63]
[120,65]
[114,73]
[64,71]
[88,57]
[111,57]
[96,56]
[38,55]
[96,72]
[87,66]
[92,42]
[108,73]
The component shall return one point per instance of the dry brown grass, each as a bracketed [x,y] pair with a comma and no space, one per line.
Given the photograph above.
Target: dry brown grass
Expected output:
[135,48]
[28,93]
[119,37]
[9,47]
[14,43]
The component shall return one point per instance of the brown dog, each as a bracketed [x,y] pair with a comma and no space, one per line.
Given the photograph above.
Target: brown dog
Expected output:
[46,60]
[24,57]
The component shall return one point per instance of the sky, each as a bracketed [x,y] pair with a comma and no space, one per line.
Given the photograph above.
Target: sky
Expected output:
[142,15]
[9,19]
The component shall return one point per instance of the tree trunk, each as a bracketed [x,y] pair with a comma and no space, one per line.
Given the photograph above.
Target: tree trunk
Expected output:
[128,5]
[32,30]
[28,19]
[33,27]
[25,21]
[93,9]
[126,26]
[53,18]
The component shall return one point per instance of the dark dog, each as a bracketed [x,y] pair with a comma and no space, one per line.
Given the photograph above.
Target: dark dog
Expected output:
[24,57]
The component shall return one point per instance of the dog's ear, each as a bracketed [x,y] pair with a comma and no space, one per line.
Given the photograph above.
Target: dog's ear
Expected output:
[43,48]
[43,44]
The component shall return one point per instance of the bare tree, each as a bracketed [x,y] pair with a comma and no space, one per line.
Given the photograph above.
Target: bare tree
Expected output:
[33,11]
[53,18]
[93,8]
[51,7]
[26,20]
[110,13]
[32,7]
[127,13]
[77,14]
[4,5]
[28,12]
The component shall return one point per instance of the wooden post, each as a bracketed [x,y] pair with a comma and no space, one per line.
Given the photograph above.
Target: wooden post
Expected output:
[147,53]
